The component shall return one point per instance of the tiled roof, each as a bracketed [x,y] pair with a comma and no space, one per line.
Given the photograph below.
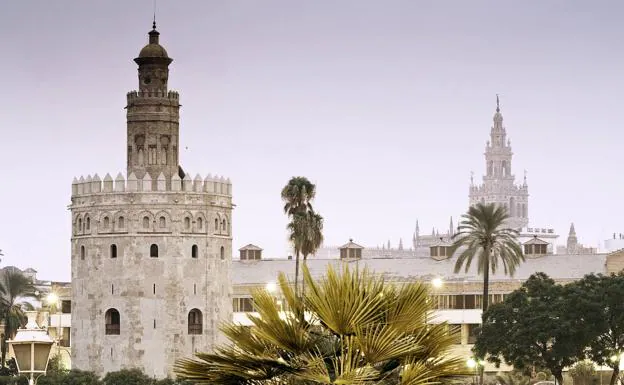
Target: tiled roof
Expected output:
[250,247]
[558,266]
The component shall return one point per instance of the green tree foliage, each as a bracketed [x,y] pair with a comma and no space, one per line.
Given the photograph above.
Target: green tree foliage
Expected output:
[597,299]
[306,226]
[483,236]
[72,377]
[513,378]
[533,327]
[356,330]
[14,288]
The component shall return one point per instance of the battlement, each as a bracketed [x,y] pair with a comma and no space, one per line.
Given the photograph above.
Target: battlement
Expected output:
[171,95]
[94,185]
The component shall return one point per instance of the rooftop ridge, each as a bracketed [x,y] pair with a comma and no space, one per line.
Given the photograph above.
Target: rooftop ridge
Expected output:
[95,185]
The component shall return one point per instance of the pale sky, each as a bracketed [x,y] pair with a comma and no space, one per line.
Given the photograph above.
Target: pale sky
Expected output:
[385,105]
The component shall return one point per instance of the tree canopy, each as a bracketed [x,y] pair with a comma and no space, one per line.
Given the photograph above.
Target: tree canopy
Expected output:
[534,327]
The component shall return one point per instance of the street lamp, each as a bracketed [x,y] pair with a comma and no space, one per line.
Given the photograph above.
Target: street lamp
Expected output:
[437,282]
[271,287]
[476,364]
[31,347]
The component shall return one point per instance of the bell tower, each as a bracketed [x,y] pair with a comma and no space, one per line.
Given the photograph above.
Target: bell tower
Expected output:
[499,184]
[153,115]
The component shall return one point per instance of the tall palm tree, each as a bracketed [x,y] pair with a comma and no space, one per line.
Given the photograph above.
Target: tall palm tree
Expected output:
[14,288]
[483,236]
[306,235]
[357,331]
[298,195]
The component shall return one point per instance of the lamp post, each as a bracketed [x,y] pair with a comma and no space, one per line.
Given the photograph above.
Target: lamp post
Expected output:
[31,347]
[476,364]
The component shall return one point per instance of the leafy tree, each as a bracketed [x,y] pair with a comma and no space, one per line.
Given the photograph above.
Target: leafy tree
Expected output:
[597,300]
[513,378]
[14,287]
[306,234]
[357,330]
[533,327]
[127,377]
[483,236]
[298,195]
[72,377]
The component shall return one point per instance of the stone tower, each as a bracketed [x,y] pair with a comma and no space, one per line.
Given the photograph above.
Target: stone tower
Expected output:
[572,241]
[499,184]
[151,253]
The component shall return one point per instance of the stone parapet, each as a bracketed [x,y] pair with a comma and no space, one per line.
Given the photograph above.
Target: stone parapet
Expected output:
[94,185]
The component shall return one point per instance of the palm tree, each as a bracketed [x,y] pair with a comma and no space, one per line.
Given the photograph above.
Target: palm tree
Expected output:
[357,330]
[14,287]
[298,195]
[483,235]
[306,235]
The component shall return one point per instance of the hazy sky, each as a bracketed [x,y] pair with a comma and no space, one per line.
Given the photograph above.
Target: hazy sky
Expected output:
[386,105]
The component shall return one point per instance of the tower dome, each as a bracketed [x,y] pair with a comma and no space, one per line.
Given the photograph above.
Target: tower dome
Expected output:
[153,50]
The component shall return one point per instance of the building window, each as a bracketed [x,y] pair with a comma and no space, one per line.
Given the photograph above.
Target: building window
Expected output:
[243,305]
[113,251]
[154,251]
[200,223]
[195,322]
[187,223]
[146,222]
[121,223]
[222,252]
[473,333]
[194,251]
[82,252]
[224,226]
[216,224]
[88,223]
[106,223]
[79,225]
[112,322]
[162,222]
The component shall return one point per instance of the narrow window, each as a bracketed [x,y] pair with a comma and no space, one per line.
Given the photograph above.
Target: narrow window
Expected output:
[187,223]
[154,288]
[146,222]
[163,222]
[106,222]
[194,251]
[195,322]
[82,252]
[154,324]
[200,223]
[222,252]
[121,222]
[79,224]
[88,221]
[154,251]
[216,224]
[194,288]
[223,226]
[112,319]
[112,289]
[113,251]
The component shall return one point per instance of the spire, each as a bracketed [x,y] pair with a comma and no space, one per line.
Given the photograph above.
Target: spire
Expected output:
[497,101]
[417,228]
[451,228]
[400,243]
[572,230]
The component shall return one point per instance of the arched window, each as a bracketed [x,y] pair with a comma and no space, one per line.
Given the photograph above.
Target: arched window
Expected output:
[194,251]
[154,251]
[113,251]
[187,223]
[113,323]
[222,252]
[88,223]
[162,222]
[121,222]
[200,223]
[82,252]
[223,225]
[216,224]
[106,223]
[146,222]
[195,322]
[79,224]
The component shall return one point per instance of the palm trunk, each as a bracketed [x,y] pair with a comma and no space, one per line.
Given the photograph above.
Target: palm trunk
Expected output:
[297,274]
[614,375]
[3,349]
[305,264]
[486,297]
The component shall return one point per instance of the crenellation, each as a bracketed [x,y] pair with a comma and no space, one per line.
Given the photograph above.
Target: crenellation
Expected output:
[198,183]
[134,95]
[107,186]
[187,183]
[147,182]
[120,183]
[161,184]
[176,183]
[132,185]
[96,184]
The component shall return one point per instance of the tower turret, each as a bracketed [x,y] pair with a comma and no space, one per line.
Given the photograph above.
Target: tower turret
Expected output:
[572,242]
[153,115]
